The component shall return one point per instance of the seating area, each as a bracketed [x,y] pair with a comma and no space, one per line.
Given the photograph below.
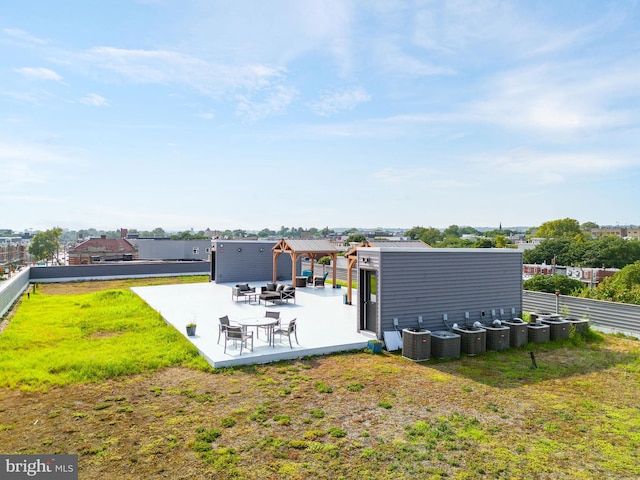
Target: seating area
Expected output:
[277,293]
[238,331]
[324,322]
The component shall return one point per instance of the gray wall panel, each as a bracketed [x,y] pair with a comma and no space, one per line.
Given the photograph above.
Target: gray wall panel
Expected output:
[166,249]
[254,262]
[431,283]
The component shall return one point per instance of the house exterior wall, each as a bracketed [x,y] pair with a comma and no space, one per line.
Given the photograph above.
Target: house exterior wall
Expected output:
[167,249]
[433,282]
[254,261]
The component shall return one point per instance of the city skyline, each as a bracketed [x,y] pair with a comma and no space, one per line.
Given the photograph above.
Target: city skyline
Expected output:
[241,115]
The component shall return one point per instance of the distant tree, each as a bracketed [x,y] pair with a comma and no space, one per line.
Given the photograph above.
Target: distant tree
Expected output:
[452,231]
[566,227]
[455,242]
[484,243]
[624,286]
[545,283]
[265,232]
[188,235]
[548,250]
[501,241]
[610,251]
[414,233]
[469,231]
[326,260]
[589,225]
[431,236]
[355,238]
[45,244]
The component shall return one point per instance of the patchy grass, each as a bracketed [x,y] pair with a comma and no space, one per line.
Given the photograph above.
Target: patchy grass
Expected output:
[347,416]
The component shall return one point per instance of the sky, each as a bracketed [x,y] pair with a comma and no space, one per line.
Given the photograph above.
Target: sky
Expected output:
[198,114]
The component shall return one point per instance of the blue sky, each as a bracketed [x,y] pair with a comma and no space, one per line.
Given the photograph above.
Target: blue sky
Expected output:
[252,114]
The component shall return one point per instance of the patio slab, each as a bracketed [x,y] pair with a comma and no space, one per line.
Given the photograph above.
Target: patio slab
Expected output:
[324,323]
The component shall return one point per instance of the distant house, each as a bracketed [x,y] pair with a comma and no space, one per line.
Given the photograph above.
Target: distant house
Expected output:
[103,249]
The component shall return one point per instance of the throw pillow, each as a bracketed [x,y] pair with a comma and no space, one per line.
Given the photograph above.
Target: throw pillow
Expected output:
[271,287]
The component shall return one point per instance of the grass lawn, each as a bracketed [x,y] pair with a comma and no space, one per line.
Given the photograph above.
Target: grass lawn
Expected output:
[90,369]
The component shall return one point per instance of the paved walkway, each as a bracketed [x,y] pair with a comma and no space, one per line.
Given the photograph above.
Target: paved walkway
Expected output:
[325,323]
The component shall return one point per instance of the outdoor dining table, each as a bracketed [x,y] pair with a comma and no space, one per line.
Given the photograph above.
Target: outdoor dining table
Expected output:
[267,322]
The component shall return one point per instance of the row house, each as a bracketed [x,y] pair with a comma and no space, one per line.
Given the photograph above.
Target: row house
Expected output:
[590,276]
[103,249]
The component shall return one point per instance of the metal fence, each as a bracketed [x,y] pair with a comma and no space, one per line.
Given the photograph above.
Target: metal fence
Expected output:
[610,317]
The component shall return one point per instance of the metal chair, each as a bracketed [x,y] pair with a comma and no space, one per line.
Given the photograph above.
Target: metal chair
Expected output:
[289,330]
[235,334]
[224,323]
[270,328]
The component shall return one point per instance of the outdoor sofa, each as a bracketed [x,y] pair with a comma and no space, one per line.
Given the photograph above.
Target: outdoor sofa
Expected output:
[241,290]
[277,293]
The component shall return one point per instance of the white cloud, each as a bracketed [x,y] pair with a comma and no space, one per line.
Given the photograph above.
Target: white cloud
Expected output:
[24,165]
[25,36]
[549,168]
[558,98]
[268,102]
[338,100]
[170,67]
[38,73]
[94,100]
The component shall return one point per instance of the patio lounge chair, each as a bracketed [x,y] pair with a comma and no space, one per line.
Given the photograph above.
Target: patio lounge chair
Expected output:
[319,281]
[288,330]
[235,334]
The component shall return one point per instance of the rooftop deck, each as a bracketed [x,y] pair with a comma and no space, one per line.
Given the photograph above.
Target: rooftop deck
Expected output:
[324,323]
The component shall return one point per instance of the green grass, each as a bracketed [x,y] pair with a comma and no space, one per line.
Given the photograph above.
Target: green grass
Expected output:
[57,340]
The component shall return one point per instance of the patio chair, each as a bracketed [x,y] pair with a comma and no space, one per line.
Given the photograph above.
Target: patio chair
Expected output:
[288,330]
[319,281]
[269,329]
[235,334]
[224,323]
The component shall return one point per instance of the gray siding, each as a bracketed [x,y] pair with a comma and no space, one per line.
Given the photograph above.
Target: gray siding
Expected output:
[438,281]
[118,270]
[254,262]
[166,249]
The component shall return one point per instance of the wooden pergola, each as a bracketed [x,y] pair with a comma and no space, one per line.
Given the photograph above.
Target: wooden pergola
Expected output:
[352,256]
[297,249]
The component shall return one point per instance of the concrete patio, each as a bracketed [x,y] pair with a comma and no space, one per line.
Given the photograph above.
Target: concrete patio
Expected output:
[324,323]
